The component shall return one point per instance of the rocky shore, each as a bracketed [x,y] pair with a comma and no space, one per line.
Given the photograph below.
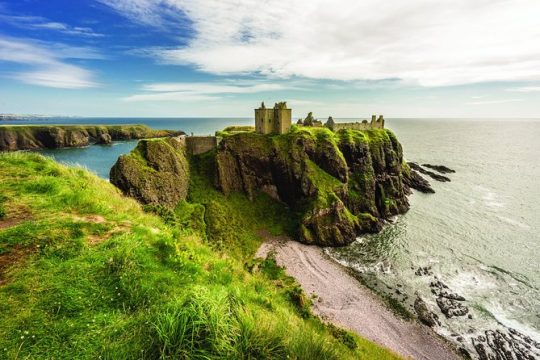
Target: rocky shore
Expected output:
[501,343]
[32,137]
[341,299]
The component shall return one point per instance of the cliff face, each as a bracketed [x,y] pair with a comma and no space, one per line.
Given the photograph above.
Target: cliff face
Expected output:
[340,184]
[156,172]
[37,137]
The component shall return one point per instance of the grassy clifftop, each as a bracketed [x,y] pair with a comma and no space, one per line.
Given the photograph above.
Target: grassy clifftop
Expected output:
[86,273]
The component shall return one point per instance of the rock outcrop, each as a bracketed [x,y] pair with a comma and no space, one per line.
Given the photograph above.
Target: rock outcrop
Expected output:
[340,184]
[431,174]
[55,136]
[156,172]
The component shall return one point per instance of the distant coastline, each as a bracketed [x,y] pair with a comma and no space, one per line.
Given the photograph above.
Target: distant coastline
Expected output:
[14,117]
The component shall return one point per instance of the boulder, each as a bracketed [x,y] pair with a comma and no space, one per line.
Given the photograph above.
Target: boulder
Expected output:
[426,316]
[156,172]
[104,139]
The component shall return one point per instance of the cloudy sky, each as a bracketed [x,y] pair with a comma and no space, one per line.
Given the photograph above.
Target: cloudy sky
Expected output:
[346,58]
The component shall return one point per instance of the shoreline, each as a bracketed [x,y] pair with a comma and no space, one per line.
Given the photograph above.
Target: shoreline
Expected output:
[342,300]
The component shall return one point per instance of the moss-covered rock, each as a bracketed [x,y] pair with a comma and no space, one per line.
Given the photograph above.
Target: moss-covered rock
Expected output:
[156,172]
[340,184]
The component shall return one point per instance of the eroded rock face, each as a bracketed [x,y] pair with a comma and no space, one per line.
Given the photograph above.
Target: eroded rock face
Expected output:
[425,315]
[341,184]
[14,138]
[156,172]
[104,139]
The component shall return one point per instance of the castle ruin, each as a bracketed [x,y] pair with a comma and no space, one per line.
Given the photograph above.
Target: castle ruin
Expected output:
[273,121]
[376,123]
[278,121]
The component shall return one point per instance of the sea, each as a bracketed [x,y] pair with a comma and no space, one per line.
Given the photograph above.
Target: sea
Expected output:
[478,233]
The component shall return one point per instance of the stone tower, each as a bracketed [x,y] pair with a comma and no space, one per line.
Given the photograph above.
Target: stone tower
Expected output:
[273,121]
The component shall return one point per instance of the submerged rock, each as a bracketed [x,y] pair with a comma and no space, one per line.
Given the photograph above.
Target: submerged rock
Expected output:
[440,168]
[417,182]
[156,172]
[431,174]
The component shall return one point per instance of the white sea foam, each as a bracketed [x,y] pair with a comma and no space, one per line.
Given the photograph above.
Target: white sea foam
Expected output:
[502,317]
[514,222]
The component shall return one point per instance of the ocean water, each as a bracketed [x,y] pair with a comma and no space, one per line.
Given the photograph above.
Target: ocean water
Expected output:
[479,233]
[100,158]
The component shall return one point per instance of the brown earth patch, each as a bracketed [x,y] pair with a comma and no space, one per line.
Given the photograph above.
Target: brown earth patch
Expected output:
[8,259]
[15,214]
[119,229]
[95,219]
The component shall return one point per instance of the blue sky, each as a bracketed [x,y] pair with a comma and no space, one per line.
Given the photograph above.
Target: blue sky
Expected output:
[345,58]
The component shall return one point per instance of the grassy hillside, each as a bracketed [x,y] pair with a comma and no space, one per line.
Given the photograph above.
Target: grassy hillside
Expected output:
[85,273]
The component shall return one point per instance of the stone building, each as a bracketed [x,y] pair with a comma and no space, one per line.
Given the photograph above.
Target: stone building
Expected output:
[273,121]
[376,123]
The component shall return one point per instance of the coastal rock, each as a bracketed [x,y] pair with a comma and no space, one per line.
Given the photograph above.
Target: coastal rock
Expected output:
[431,174]
[510,344]
[104,139]
[440,168]
[340,184]
[156,172]
[424,314]
[451,304]
[415,181]
[423,271]
[451,307]
[33,137]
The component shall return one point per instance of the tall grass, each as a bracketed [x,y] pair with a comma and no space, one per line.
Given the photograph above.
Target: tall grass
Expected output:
[96,276]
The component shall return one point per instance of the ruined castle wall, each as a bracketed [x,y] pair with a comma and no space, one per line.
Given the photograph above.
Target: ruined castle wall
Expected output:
[201,144]
[379,124]
[284,121]
[263,121]
[352,126]
[364,125]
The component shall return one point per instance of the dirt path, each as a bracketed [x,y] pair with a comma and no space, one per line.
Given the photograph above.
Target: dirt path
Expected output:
[343,301]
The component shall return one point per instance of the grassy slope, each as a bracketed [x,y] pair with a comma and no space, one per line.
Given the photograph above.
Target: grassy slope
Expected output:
[97,276]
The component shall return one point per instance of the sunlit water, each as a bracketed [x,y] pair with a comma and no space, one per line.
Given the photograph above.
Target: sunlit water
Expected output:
[479,232]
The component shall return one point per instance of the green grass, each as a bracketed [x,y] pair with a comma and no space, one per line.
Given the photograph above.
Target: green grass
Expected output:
[97,276]
[236,129]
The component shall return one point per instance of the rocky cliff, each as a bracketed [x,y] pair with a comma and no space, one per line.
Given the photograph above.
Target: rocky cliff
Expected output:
[340,184]
[38,137]
[156,172]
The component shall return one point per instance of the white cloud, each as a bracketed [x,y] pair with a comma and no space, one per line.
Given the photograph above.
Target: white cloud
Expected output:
[46,65]
[198,91]
[491,102]
[209,88]
[525,89]
[432,43]
[41,23]
[169,96]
